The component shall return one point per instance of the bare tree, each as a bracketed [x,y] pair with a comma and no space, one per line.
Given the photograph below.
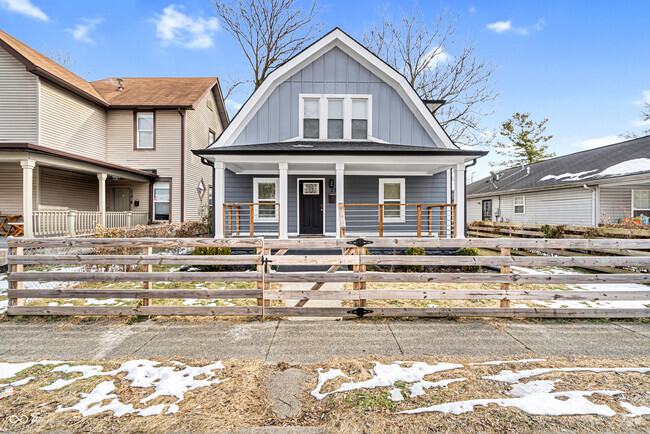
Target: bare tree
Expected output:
[268,31]
[645,118]
[427,55]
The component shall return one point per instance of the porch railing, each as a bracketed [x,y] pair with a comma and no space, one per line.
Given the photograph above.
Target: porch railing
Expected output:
[250,219]
[72,222]
[405,219]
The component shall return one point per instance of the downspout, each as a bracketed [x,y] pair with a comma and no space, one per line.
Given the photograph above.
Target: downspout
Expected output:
[594,219]
[214,215]
[182,113]
[473,163]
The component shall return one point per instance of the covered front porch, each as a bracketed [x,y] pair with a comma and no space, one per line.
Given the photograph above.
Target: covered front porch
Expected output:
[46,193]
[402,193]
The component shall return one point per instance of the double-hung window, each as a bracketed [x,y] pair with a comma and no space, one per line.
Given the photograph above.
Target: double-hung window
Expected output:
[640,203]
[520,204]
[335,117]
[265,191]
[144,130]
[311,118]
[392,196]
[161,201]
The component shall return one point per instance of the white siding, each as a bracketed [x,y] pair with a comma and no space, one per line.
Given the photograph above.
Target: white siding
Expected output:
[18,101]
[616,201]
[64,190]
[568,206]
[72,124]
[198,123]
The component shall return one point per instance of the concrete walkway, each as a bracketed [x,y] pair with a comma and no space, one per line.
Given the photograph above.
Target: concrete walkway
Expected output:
[314,341]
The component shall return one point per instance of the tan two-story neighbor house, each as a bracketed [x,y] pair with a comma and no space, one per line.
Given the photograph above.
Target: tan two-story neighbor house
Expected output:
[117,151]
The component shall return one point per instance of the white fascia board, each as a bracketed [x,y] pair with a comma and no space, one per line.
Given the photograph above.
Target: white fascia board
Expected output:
[336,38]
[416,160]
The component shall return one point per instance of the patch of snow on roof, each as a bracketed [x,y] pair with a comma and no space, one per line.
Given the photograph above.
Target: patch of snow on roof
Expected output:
[567,177]
[627,167]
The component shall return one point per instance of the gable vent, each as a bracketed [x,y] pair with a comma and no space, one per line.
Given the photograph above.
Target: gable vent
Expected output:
[209,104]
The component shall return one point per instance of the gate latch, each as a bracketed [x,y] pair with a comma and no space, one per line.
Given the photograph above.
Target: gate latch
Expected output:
[359,312]
[265,262]
[359,242]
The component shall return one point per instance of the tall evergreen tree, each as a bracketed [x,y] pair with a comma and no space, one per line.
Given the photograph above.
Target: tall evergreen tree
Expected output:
[522,140]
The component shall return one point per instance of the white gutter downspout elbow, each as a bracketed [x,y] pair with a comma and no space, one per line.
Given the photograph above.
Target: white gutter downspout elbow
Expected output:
[594,218]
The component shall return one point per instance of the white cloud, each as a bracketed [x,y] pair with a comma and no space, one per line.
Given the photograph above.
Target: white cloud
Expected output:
[506,26]
[232,106]
[174,27]
[597,142]
[472,9]
[500,26]
[645,98]
[24,7]
[80,31]
[439,56]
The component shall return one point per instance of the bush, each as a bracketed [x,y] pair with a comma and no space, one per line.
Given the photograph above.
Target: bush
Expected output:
[553,231]
[210,251]
[469,251]
[415,251]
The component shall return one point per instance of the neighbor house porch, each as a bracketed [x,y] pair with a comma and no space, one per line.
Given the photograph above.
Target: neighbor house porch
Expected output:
[400,191]
[45,192]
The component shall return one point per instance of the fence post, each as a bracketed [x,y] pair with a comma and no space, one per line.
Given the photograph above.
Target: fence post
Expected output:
[419,221]
[251,218]
[129,219]
[442,230]
[358,268]
[342,223]
[261,268]
[148,284]
[16,268]
[505,269]
[381,221]
[72,222]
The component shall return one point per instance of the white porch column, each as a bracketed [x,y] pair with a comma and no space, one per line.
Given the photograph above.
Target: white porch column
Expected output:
[28,185]
[102,198]
[340,190]
[459,200]
[284,200]
[219,193]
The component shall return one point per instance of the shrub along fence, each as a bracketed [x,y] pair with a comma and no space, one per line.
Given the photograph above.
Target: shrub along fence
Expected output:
[135,258]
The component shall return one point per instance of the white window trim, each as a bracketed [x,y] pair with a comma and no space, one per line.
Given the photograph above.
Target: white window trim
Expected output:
[402,197]
[323,114]
[632,208]
[137,130]
[169,202]
[256,199]
[514,205]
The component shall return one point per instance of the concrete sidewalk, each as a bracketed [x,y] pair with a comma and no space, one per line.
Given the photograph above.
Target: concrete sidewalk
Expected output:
[313,341]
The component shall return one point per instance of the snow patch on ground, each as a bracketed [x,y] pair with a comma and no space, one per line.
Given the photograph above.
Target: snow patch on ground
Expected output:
[502,362]
[634,410]
[514,376]
[388,375]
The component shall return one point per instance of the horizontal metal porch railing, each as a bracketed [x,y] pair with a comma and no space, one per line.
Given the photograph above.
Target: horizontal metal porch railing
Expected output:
[251,218]
[47,223]
[406,219]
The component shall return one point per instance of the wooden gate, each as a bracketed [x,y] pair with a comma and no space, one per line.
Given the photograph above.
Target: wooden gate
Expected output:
[99,262]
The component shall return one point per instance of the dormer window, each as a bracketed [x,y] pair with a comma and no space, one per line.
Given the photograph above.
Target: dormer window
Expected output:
[335,117]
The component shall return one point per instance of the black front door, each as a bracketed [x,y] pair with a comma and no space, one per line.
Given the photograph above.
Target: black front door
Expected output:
[310,201]
[487,209]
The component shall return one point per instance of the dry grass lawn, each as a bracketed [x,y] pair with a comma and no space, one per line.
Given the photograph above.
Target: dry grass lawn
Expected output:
[242,401]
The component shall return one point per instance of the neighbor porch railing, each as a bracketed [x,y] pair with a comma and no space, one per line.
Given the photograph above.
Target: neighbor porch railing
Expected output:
[250,219]
[406,219]
[73,222]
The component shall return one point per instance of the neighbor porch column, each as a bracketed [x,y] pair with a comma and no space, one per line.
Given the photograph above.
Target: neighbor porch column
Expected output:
[28,185]
[340,190]
[459,200]
[284,200]
[219,193]
[102,198]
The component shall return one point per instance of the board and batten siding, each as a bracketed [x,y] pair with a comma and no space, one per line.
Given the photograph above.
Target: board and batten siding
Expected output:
[616,201]
[198,123]
[334,72]
[18,101]
[71,124]
[64,190]
[567,206]
[165,158]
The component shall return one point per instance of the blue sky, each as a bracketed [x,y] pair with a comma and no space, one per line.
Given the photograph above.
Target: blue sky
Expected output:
[581,64]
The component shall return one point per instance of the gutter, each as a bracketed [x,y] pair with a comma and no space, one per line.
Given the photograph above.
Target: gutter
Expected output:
[182,113]
[473,163]
[214,215]
[594,219]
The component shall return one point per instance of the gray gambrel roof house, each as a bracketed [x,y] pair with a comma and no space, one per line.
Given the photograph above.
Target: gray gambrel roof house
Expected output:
[333,138]
[603,185]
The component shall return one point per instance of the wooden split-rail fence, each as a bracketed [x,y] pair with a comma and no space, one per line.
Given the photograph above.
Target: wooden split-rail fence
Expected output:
[47,268]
